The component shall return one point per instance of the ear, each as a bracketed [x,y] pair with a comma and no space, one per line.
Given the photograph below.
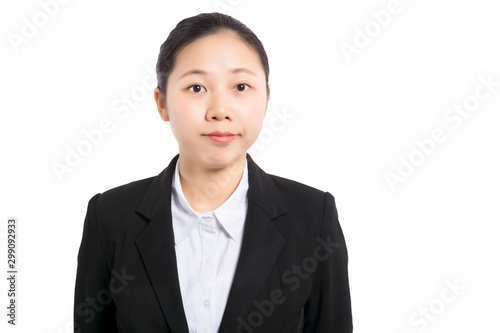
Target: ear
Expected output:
[161,103]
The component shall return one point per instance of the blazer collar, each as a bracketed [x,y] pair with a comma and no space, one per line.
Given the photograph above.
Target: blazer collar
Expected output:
[262,191]
[261,245]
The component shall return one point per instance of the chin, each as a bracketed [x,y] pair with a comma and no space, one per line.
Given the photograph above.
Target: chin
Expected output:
[220,160]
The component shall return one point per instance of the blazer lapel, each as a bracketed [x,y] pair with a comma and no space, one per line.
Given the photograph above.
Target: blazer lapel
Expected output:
[261,245]
[156,246]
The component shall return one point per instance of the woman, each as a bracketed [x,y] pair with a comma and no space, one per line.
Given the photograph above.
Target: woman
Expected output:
[213,243]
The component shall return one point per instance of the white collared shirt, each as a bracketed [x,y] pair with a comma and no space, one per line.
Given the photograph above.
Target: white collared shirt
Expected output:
[207,247]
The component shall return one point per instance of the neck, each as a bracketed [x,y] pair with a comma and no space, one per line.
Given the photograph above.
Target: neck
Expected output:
[206,189]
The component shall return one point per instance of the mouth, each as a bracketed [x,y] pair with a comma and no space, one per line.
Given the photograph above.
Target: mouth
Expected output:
[221,137]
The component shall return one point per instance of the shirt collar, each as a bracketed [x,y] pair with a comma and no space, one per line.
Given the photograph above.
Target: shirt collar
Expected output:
[230,215]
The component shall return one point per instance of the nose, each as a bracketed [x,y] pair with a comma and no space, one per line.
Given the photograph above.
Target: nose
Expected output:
[220,106]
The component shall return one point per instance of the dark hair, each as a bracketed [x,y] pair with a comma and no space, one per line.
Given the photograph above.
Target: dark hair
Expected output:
[193,28]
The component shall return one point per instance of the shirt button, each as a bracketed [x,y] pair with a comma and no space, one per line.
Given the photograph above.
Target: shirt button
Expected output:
[208,219]
[208,260]
[206,303]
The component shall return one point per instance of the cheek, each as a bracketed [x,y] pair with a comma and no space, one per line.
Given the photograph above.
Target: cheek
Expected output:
[184,112]
[253,118]
[253,104]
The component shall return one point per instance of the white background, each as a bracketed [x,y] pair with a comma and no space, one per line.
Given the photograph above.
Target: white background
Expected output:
[353,121]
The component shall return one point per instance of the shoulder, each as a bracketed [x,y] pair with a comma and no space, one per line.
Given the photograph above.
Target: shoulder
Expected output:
[310,214]
[127,193]
[112,213]
[127,197]
[277,194]
[292,185]
[308,208]
[298,192]
[118,202]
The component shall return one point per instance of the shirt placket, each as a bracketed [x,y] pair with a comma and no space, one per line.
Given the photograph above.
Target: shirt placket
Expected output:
[207,277]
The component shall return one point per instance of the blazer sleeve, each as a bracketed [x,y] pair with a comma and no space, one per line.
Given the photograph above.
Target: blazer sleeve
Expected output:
[94,309]
[328,308]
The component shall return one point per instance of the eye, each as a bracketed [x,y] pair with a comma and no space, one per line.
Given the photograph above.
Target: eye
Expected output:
[197,88]
[241,87]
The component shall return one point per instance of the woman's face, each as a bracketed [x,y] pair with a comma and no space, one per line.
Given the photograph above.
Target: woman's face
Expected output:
[216,100]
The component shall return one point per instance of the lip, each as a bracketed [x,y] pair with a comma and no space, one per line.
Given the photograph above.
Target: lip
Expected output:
[221,137]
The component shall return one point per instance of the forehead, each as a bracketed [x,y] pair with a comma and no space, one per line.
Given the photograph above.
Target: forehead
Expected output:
[219,51]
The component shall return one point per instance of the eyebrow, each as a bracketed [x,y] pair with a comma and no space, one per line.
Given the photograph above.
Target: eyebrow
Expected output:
[244,70]
[193,71]
[202,72]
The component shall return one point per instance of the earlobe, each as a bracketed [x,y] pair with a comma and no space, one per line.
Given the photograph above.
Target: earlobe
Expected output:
[161,103]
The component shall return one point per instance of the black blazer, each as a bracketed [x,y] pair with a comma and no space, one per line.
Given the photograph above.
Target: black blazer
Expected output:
[291,274]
